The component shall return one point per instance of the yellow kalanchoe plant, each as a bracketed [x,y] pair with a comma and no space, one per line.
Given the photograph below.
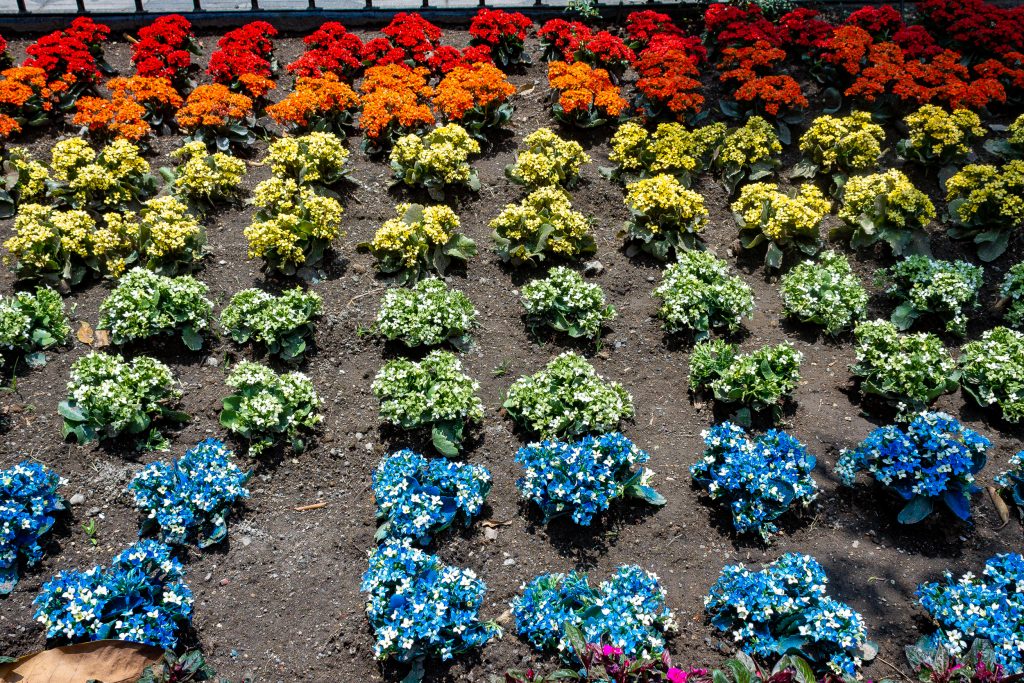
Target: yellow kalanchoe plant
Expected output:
[671,148]
[665,217]
[113,178]
[23,179]
[886,206]
[840,145]
[750,152]
[544,222]
[547,160]
[436,160]
[293,225]
[938,136]
[987,203]
[420,239]
[205,179]
[766,214]
[314,158]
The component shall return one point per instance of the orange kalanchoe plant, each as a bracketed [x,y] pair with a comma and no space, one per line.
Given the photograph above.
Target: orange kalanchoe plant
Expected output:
[255,87]
[317,104]
[156,95]
[395,102]
[116,118]
[759,91]
[219,118]
[669,85]
[476,97]
[26,99]
[586,96]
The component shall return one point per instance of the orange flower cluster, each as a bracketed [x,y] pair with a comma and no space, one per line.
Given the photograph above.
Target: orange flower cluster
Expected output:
[213,106]
[157,95]
[750,61]
[466,88]
[1008,70]
[771,94]
[751,67]
[394,99]
[316,101]
[25,97]
[254,86]
[583,92]
[118,117]
[669,80]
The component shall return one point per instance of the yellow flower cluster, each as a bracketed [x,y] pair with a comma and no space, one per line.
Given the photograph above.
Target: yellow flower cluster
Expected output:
[779,216]
[936,133]
[293,225]
[112,177]
[663,204]
[1016,131]
[206,177]
[843,143]
[754,142]
[43,236]
[32,174]
[311,158]
[548,160]
[670,149]
[546,208]
[168,229]
[989,194]
[440,157]
[406,240]
[905,205]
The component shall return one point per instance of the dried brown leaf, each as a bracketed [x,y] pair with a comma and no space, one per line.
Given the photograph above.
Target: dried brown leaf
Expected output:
[107,661]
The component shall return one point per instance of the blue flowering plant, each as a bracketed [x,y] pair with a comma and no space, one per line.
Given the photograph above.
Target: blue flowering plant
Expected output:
[419,607]
[627,612]
[785,609]
[988,607]
[1012,481]
[141,597]
[583,478]
[419,497]
[188,499]
[759,479]
[932,462]
[29,503]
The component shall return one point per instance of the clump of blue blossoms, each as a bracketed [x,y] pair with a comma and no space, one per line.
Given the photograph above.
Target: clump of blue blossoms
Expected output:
[990,607]
[628,612]
[760,480]
[188,499]
[933,461]
[785,609]
[582,478]
[1013,481]
[141,597]
[420,607]
[28,502]
[418,497]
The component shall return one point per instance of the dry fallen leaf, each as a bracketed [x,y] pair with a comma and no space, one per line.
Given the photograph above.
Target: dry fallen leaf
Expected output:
[491,523]
[107,661]
[86,335]
[999,504]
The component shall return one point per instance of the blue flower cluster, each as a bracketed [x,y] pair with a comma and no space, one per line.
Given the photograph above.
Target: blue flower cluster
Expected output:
[759,479]
[784,608]
[1013,480]
[420,607]
[141,597]
[934,460]
[628,611]
[584,477]
[419,497]
[990,607]
[28,501]
[188,499]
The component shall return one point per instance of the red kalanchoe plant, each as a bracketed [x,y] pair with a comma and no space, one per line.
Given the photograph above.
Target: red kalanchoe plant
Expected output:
[380,52]
[668,85]
[560,39]
[245,50]
[330,49]
[446,58]
[74,55]
[503,33]
[164,50]
[416,37]
[916,42]
[759,89]
[642,27]
[5,56]
[606,51]
[976,26]
[803,27]
[881,22]
[735,25]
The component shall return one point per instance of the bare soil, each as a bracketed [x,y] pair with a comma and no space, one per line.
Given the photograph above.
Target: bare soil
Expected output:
[280,601]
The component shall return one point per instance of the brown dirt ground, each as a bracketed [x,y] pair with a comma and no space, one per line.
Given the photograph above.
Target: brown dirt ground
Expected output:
[280,601]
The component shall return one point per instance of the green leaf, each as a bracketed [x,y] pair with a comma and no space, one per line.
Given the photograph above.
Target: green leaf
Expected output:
[992,244]
[192,340]
[575,637]
[916,510]
[446,437]
[71,411]
[773,256]
[904,316]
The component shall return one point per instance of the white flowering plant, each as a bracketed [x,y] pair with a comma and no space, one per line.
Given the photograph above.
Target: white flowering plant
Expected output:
[267,408]
[283,325]
[144,305]
[30,323]
[567,398]
[1011,296]
[754,382]
[698,294]
[992,371]
[907,371]
[427,314]
[432,393]
[565,302]
[945,290]
[109,397]
[825,292]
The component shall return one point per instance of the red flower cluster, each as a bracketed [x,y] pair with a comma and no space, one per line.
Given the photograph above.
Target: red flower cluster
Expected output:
[503,33]
[73,55]
[411,39]
[881,22]
[1008,70]
[446,58]
[606,51]
[245,50]
[5,56]
[416,37]
[560,39]
[976,25]
[803,28]
[739,25]
[642,26]
[164,50]
[330,49]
